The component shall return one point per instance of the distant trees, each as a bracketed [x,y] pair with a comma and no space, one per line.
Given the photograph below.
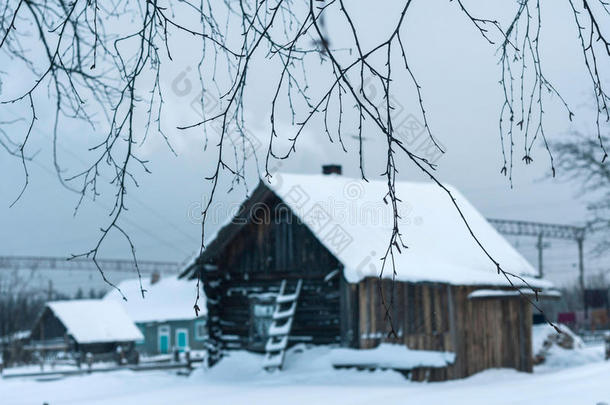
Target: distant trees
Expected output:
[92,294]
[21,302]
[578,159]
[19,307]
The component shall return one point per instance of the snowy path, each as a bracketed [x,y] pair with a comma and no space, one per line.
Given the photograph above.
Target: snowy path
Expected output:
[238,382]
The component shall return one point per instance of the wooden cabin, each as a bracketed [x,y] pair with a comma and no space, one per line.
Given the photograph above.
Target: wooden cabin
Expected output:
[330,231]
[83,326]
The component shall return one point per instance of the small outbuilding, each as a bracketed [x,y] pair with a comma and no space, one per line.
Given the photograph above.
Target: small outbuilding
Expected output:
[300,262]
[83,326]
[165,314]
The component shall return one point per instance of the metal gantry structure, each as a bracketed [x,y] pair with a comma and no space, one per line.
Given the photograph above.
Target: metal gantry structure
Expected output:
[526,228]
[544,231]
[539,230]
[111,265]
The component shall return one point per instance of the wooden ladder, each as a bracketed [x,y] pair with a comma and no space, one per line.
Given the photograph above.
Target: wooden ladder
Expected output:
[281,325]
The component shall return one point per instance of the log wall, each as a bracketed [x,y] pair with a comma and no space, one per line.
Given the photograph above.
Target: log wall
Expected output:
[317,318]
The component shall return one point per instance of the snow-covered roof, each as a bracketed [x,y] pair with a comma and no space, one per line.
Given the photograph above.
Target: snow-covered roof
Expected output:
[95,321]
[350,218]
[167,300]
[488,293]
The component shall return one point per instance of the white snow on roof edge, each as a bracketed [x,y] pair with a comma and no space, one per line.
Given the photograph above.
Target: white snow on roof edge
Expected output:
[487,293]
[95,321]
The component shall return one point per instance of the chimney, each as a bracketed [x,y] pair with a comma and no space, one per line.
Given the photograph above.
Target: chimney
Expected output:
[331,169]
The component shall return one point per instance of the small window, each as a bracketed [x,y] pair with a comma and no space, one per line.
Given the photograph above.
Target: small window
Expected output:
[263,310]
[200,331]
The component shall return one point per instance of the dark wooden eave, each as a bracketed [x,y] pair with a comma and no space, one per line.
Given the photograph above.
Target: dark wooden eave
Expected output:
[227,232]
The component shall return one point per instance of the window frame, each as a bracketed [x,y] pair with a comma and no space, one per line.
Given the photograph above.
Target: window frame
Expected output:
[196,326]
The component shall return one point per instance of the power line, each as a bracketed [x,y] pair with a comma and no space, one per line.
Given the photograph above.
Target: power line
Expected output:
[158,215]
[124,218]
[137,200]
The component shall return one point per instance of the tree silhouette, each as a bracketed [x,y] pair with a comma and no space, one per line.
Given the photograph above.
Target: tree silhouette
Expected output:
[101,62]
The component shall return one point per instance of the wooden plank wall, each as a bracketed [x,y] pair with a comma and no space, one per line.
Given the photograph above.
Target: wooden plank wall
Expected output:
[414,310]
[482,333]
[492,333]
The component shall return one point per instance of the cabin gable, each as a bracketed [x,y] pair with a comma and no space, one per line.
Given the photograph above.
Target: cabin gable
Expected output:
[48,326]
[274,243]
[264,245]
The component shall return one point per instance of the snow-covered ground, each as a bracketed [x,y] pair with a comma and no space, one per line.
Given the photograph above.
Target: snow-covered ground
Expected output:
[35,369]
[559,357]
[309,379]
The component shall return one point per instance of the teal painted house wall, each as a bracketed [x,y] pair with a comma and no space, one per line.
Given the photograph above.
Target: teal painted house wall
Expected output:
[172,332]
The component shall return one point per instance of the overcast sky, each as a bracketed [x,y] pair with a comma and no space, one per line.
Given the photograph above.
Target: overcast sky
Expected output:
[459,75]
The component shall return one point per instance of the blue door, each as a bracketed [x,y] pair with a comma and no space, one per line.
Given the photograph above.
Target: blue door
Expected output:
[163,336]
[182,338]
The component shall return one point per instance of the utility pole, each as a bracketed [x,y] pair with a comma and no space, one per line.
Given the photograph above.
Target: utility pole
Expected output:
[581,273]
[540,247]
